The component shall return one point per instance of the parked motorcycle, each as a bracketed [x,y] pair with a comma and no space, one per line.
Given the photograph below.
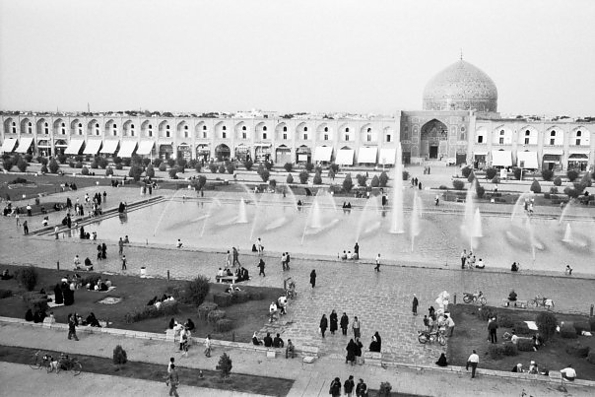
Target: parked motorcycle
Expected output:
[477,297]
[426,336]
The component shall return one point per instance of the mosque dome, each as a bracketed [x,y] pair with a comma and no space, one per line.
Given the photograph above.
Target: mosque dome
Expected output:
[461,86]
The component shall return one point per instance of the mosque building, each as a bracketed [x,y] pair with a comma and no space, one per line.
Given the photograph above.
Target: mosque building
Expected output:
[459,124]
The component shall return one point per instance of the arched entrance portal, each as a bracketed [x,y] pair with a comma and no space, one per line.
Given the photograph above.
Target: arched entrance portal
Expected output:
[434,139]
[222,152]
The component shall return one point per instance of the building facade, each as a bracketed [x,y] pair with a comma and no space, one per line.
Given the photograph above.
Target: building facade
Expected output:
[459,124]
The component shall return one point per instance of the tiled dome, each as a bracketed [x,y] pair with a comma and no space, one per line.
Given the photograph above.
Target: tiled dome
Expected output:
[461,86]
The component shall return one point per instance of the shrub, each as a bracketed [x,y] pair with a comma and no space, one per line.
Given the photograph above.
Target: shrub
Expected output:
[581,326]
[586,180]
[22,165]
[221,168]
[230,168]
[553,190]
[162,167]
[557,181]
[289,178]
[240,297]
[44,169]
[222,299]
[213,168]
[524,345]
[171,162]
[197,167]
[146,161]
[375,181]
[182,162]
[547,174]
[224,325]
[117,160]
[120,357]
[568,331]
[7,164]
[157,162]
[383,179]
[256,295]
[535,186]
[216,315]
[577,350]
[42,160]
[571,192]
[331,174]
[206,308]
[309,167]
[466,171]
[5,293]
[135,172]
[273,183]
[491,173]
[248,164]
[304,175]
[405,175]
[496,179]
[224,366]
[103,163]
[288,167]
[264,175]
[479,190]
[347,183]
[119,166]
[62,158]
[458,184]
[361,180]
[126,161]
[572,175]
[505,321]
[496,351]
[94,165]
[385,389]
[591,357]
[109,171]
[471,177]
[173,173]
[317,179]
[522,328]
[443,187]
[71,164]
[27,277]
[146,312]
[85,171]
[260,169]
[510,349]
[518,173]
[150,172]
[197,290]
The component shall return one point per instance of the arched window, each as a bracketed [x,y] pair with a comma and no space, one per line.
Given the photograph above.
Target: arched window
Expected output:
[30,128]
[185,131]
[284,129]
[264,128]
[14,127]
[80,129]
[131,129]
[150,130]
[46,128]
[63,129]
[97,132]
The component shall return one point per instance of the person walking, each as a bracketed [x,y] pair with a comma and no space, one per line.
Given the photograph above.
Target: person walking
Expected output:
[356,251]
[236,256]
[261,266]
[120,246]
[323,325]
[335,388]
[228,260]
[72,327]
[344,323]
[463,258]
[377,268]
[313,278]
[348,386]
[362,389]
[472,362]
[450,325]
[351,350]
[334,322]
[356,327]
[492,328]
[123,262]
[414,305]
[173,381]
[208,346]
[259,246]
[25,228]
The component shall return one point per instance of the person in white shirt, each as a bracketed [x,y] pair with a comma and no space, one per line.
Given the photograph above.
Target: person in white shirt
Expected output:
[179,244]
[568,373]
[450,324]
[473,361]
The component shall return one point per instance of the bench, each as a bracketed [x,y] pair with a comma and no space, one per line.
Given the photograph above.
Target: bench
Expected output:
[522,304]
[556,376]
[226,279]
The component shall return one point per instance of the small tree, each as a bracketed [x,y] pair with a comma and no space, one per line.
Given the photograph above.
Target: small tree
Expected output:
[197,167]
[62,158]
[375,181]
[173,173]
[171,162]
[361,179]
[248,164]
[334,167]
[458,184]
[535,186]
[309,167]
[317,179]
[150,172]
[27,277]
[103,163]
[304,175]
[546,324]
[120,357]
[222,168]
[572,175]
[44,169]
[53,166]
[491,173]
[466,171]
[157,162]
[586,180]
[547,174]
[289,178]
[347,183]
[146,161]
[22,165]
[7,164]
[518,173]
[197,290]
[135,172]
[117,160]
[383,179]
[471,177]
[260,169]
[213,167]
[230,168]
[331,174]
[85,171]
[224,366]
[273,183]
[557,181]
[288,167]
[109,171]
[265,175]
[94,164]
[162,167]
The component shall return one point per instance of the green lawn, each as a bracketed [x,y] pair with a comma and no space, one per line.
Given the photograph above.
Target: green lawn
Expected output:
[471,333]
[135,293]
[154,372]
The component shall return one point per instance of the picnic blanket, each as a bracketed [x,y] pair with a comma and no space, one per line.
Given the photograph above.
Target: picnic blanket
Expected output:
[532,325]
[53,302]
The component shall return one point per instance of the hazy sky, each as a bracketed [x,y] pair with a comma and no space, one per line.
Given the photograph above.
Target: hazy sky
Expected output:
[363,56]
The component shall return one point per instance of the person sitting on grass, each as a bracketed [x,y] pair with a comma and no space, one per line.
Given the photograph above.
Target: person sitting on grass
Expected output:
[515,267]
[278,342]
[442,361]
[88,264]
[255,340]
[92,320]
[268,340]
[189,325]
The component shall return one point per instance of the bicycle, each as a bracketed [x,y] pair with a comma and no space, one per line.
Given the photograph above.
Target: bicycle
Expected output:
[475,298]
[40,361]
[541,302]
[70,364]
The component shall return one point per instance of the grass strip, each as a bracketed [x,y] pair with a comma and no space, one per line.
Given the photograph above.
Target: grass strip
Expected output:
[154,372]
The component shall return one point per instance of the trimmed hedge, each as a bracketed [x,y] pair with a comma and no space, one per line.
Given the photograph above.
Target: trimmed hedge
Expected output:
[505,321]
[510,349]
[215,316]
[224,325]
[496,351]
[524,345]
[591,357]
[521,328]
[240,297]
[145,312]
[568,331]
[578,350]
[205,309]
[222,299]
[5,293]
[27,277]
[581,326]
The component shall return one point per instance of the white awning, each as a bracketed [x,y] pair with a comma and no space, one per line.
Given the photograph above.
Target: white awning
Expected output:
[109,147]
[557,152]
[74,146]
[501,158]
[145,148]
[323,153]
[388,156]
[127,148]
[93,146]
[579,151]
[24,145]
[527,160]
[345,157]
[485,153]
[367,155]
[8,145]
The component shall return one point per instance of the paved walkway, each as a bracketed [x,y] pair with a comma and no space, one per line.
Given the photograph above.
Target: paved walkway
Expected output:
[310,379]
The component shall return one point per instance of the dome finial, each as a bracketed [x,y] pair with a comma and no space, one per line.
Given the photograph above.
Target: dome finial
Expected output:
[461,54]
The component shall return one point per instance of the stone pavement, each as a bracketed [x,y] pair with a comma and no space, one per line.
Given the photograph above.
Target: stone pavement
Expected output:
[310,379]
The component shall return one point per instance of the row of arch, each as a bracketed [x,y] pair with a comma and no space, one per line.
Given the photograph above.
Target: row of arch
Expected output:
[201,130]
[529,135]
